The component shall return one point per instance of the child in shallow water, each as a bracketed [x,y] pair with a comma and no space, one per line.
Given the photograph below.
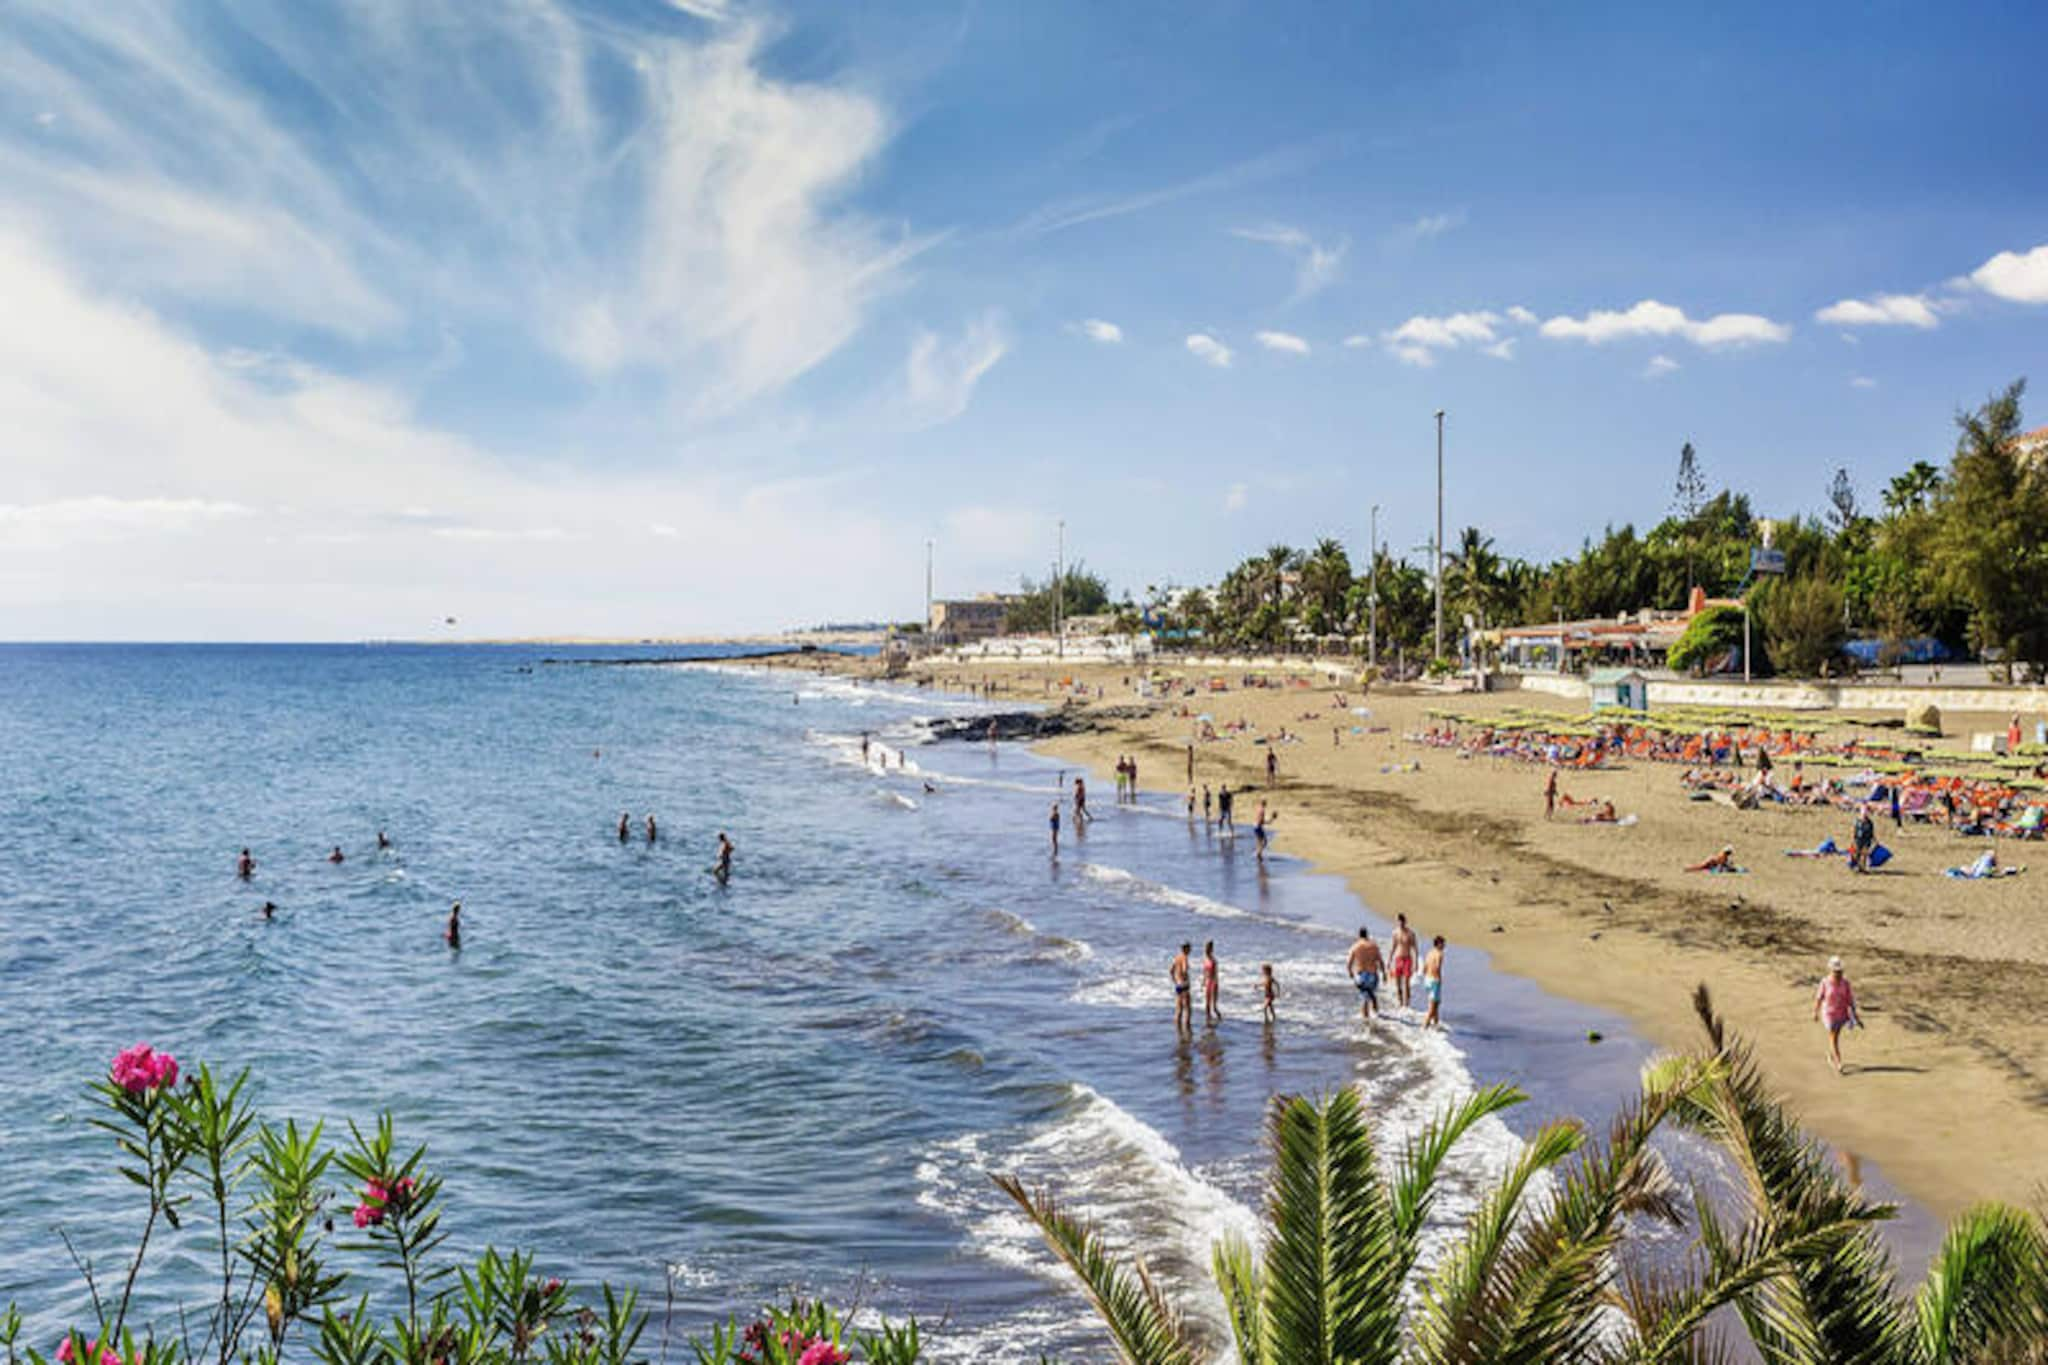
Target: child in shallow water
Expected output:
[1266,981]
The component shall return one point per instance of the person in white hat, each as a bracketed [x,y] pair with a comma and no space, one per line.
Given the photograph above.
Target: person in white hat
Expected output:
[1834,1004]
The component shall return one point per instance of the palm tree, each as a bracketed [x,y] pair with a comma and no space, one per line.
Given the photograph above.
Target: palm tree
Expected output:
[1985,1297]
[1326,579]
[1528,1283]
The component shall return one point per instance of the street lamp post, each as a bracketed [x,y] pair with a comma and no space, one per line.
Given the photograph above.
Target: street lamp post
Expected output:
[928,591]
[1372,595]
[1438,639]
[1059,595]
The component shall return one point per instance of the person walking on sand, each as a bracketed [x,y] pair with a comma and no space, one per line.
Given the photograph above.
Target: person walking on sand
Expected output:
[1211,987]
[1272,765]
[1550,795]
[454,931]
[1403,950]
[1054,821]
[1834,1004]
[1863,839]
[1433,982]
[1363,967]
[1270,991]
[1183,1005]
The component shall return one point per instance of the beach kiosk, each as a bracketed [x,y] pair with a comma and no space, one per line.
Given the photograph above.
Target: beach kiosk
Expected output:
[1619,687]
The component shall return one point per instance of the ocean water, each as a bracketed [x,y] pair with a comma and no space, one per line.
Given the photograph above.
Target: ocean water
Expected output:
[802,1080]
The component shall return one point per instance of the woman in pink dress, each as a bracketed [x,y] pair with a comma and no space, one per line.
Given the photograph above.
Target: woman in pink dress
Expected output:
[1834,1005]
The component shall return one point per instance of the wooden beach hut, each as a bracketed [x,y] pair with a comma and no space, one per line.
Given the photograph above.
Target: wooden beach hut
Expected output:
[1619,687]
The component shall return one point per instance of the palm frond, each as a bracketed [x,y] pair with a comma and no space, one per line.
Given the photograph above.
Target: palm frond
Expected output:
[1144,1326]
[1239,1281]
[1987,1290]
[1462,1295]
[1332,1264]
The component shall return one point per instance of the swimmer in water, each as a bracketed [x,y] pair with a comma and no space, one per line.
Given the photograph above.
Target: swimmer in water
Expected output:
[454,933]
[625,826]
[245,866]
[336,856]
[722,869]
[269,910]
[652,833]
[1211,988]
[383,842]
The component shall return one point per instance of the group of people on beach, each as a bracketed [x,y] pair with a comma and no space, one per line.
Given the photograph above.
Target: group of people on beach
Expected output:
[1364,964]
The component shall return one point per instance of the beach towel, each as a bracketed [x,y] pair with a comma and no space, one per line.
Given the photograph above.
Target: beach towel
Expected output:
[1984,868]
[1824,849]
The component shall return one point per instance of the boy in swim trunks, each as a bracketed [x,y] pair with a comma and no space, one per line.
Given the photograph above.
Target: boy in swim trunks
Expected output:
[1364,968]
[1433,982]
[1266,978]
[1404,959]
[1183,1004]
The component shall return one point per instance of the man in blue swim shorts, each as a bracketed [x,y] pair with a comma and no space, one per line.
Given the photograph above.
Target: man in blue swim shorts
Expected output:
[1363,967]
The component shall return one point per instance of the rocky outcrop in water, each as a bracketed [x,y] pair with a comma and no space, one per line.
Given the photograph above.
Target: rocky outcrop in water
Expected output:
[1069,720]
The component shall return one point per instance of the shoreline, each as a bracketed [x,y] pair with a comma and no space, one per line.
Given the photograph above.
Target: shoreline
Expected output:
[1606,918]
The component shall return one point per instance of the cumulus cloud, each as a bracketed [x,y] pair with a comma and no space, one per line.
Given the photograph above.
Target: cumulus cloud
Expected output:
[1521,315]
[2021,276]
[939,377]
[1317,264]
[1282,341]
[1881,310]
[1649,318]
[1095,329]
[1659,366]
[1205,347]
[1234,497]
[1418,340]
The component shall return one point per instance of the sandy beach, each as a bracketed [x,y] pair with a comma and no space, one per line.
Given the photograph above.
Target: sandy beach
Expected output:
[1945,1086]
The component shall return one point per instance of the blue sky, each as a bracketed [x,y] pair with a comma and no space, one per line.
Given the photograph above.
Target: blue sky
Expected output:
[675,315]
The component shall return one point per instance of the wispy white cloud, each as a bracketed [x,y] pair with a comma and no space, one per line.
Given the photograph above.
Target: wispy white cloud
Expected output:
[1862,381]
[1205,347]
[1074,212]
[1881,310]
[939,377]
[717,11]
[1282,341]
[1235,497]
[1433,225]
[1504,349]
[1357,341]
[1650,318]
[1316,264]
[98,517]
[1659,366]
[1095,329]
[2020,276]
[1521,315]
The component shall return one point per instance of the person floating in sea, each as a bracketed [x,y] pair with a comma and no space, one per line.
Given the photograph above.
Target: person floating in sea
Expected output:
[722,869]
[245,866]
[1363,965]
[1834,1004]
[625,826]
[1183,1005]
[337,856]
[454,931]
[383,841]
[1211,987]
[1271,991]
[1403,947]
[1433,982]
[652,832]
[1054,820]
[269,910]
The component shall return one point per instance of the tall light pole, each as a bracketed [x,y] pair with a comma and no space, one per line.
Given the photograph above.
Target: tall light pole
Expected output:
[928,590]
[1372,595]
[1438,645]
[1059,594]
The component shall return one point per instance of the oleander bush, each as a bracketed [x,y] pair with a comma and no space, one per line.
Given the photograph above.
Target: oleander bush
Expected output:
[259,1204]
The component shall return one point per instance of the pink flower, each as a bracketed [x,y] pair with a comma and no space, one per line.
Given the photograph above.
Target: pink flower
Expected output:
[364,1216]
[107,1357]
[139,1069]
[822,1352]
[551,1288]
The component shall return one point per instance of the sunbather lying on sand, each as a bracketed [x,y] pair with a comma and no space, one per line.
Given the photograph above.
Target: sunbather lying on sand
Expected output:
[1984,868]
[1724,861]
